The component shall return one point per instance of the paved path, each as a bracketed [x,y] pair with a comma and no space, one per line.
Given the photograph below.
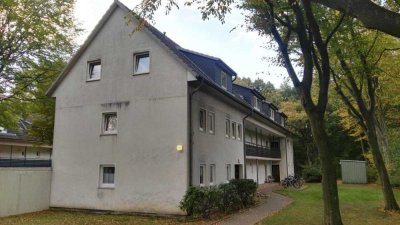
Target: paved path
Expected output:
[274,203]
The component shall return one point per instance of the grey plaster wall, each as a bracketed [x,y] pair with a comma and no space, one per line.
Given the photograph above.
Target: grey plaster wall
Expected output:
[151,176]
[24,190]
[215,148]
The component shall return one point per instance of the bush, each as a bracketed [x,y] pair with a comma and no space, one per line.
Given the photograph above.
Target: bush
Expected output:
[395,178]
[246,188]
[230,199]
[201,201]
[312,173]
[372,174]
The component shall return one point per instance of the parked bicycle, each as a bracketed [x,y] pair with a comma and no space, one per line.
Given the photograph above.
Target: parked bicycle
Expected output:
[292,181]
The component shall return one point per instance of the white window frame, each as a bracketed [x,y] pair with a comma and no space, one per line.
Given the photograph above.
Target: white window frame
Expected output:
[135,62]
[212,174]
[282,121]
[101,174]
[89,69]
[211,122]
[228,172]
[233,130]
[240,132]
[203,127]
[272,112]
[103,124]
[202,171]
[224,85]
[256,103]
[227,128]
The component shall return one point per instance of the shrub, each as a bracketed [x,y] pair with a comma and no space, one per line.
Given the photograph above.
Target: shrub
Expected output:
[246,188]
[395,178]
[372,173]
[230,200]
[312,173]
[201,201]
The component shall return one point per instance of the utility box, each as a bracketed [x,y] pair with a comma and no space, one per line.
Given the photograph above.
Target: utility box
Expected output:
[354,172]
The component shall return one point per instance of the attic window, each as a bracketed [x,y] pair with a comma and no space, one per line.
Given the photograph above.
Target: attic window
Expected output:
[94,72]
[224,80]
[272,114]
[142,63]
[256,103]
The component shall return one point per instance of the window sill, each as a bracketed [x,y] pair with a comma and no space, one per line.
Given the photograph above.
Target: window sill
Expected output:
[108,134]
[138,74]
[91,80]
[107,187]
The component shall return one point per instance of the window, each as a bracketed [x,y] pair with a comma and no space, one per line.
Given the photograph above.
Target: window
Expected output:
[256,102]
[202,120]
[202,173]
[224,80]
[239,135]
[107,176]
[228,172]
[227,128]
[110,123]
[272,114]
[94,72]
[142,63]
[211,122]
[212,174]
[233,130]
[282,121]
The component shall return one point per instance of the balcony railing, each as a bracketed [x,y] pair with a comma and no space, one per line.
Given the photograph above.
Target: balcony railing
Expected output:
[262,151]
[7,162]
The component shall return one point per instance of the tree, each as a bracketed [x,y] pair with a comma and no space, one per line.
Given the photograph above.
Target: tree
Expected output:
[357,53]
[29,30]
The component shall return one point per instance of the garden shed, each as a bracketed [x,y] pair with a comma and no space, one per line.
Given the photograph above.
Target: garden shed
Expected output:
[354,171]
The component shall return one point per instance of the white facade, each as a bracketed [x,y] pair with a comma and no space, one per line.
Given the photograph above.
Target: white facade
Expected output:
[150,157]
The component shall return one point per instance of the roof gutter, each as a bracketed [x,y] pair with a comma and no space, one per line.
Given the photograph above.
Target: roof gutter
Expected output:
[191,132]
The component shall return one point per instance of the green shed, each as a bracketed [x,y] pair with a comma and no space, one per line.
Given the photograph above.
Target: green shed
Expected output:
[354,172]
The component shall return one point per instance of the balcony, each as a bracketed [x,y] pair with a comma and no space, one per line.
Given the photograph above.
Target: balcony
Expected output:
[7,162]
[262,151]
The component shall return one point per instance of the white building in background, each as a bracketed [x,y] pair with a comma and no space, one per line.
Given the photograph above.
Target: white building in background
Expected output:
[139,119]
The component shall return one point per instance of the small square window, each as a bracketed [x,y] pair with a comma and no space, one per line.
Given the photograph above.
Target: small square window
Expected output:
[211,122]
[107,176]
[233,130]
[110,122]
[94,70]
[227,128]
[202,174]
[142,63]
[212,174]
[202,120]
[224,80]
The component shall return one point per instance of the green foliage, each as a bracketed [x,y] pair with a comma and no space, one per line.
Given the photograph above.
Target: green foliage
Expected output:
[372,173]
[395,178]
[312,173]
[202,201]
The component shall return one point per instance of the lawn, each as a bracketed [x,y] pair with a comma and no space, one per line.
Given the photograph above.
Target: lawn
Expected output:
[50,217]
[359,204]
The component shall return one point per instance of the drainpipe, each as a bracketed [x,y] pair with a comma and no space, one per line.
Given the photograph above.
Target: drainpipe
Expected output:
[244,142]
[191,132]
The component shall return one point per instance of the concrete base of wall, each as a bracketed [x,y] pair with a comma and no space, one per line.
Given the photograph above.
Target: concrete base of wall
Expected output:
[24,190]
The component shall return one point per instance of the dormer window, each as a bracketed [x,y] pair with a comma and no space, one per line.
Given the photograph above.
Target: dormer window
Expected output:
[272,114]
[283,122]
[257,103]
[224,80]
[94,70]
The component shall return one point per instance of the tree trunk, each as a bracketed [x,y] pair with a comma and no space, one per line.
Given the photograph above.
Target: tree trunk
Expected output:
[329,186]
[390,201]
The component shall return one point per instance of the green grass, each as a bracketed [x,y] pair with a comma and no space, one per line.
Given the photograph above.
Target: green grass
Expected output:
[359,204]
[50,217]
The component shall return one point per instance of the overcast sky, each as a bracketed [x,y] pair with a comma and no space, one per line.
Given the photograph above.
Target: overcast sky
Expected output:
[243,51]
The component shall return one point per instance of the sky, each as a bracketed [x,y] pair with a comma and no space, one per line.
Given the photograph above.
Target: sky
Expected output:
[243,51]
